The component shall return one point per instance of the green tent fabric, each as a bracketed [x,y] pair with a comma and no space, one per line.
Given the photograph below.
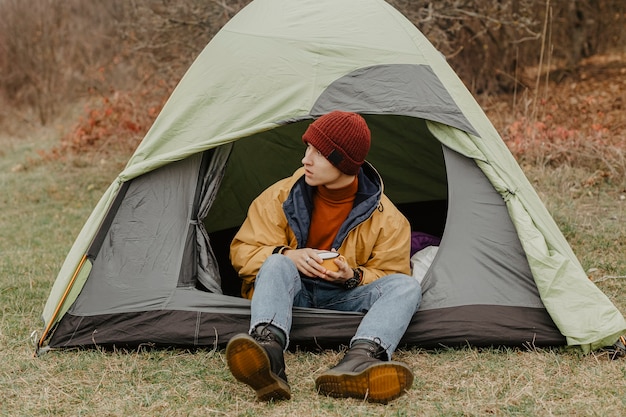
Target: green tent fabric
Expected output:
[150,261]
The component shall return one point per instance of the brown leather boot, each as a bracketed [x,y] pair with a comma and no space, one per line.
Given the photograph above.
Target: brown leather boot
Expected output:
[257,360]
[362,374]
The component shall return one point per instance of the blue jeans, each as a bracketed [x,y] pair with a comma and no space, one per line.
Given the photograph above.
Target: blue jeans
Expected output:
[388,303]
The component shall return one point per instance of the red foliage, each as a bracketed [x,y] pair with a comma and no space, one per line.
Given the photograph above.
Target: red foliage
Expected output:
[111,124]
[581,123]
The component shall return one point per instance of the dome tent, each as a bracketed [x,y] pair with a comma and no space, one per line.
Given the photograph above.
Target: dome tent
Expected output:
[150,265]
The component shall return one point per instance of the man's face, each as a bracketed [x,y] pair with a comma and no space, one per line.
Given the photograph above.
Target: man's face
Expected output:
[319,171]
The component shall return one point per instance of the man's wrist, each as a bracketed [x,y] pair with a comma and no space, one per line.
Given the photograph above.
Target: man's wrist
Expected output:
[280,250]
[355,280]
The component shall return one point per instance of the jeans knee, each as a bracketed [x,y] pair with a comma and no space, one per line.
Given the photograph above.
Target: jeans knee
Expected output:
[278,267]
[415,289]
[276,264]
[409,287]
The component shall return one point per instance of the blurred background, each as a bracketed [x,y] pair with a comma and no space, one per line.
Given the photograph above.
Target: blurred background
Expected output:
[101,70]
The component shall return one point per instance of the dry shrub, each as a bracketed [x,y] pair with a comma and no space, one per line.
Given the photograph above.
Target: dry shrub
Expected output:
[54,53]
[490,44]
[484,41]
[157,41]
[113,124]
[550,144]
[579,122]
[45,55]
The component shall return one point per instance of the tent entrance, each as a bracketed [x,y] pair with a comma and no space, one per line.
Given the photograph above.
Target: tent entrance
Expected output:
[408,157]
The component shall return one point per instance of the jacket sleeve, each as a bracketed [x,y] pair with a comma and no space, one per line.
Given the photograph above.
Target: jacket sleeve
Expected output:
[263,230]
[388,246]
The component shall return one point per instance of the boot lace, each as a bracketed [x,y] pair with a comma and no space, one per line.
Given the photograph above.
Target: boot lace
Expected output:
[263,335]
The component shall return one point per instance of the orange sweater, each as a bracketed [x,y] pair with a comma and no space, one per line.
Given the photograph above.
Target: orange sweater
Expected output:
[330,210]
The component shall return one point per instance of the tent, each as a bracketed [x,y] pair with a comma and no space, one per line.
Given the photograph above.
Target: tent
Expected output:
[150,266]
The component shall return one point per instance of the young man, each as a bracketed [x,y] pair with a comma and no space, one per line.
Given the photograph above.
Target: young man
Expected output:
[335,202]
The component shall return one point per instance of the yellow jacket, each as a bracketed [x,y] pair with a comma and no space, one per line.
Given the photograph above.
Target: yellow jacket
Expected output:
[376,237]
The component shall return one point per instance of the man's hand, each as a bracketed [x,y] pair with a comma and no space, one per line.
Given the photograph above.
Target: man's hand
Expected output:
[309,263]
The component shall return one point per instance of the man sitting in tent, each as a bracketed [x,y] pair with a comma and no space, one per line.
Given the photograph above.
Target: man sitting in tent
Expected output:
[334,203]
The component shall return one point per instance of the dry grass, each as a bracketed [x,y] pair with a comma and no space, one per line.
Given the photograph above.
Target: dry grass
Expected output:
[180,383]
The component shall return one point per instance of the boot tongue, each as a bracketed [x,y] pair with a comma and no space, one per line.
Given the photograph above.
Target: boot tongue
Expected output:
[369,348]
[359,357]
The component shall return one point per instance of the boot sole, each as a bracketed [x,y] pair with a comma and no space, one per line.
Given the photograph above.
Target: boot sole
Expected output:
[379,383]
[250,364]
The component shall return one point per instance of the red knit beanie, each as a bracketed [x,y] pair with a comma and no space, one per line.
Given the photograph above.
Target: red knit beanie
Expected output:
[343,138]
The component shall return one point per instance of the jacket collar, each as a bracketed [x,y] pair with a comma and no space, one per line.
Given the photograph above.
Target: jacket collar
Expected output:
[299,204]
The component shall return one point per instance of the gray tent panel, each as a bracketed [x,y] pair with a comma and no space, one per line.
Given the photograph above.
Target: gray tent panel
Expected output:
[480,260]
[140,260]
[400,89]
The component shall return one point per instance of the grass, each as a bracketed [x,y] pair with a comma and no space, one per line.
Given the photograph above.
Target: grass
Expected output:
[43,206]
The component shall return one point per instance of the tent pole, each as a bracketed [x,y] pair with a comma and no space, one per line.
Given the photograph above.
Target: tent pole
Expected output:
[62,301]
